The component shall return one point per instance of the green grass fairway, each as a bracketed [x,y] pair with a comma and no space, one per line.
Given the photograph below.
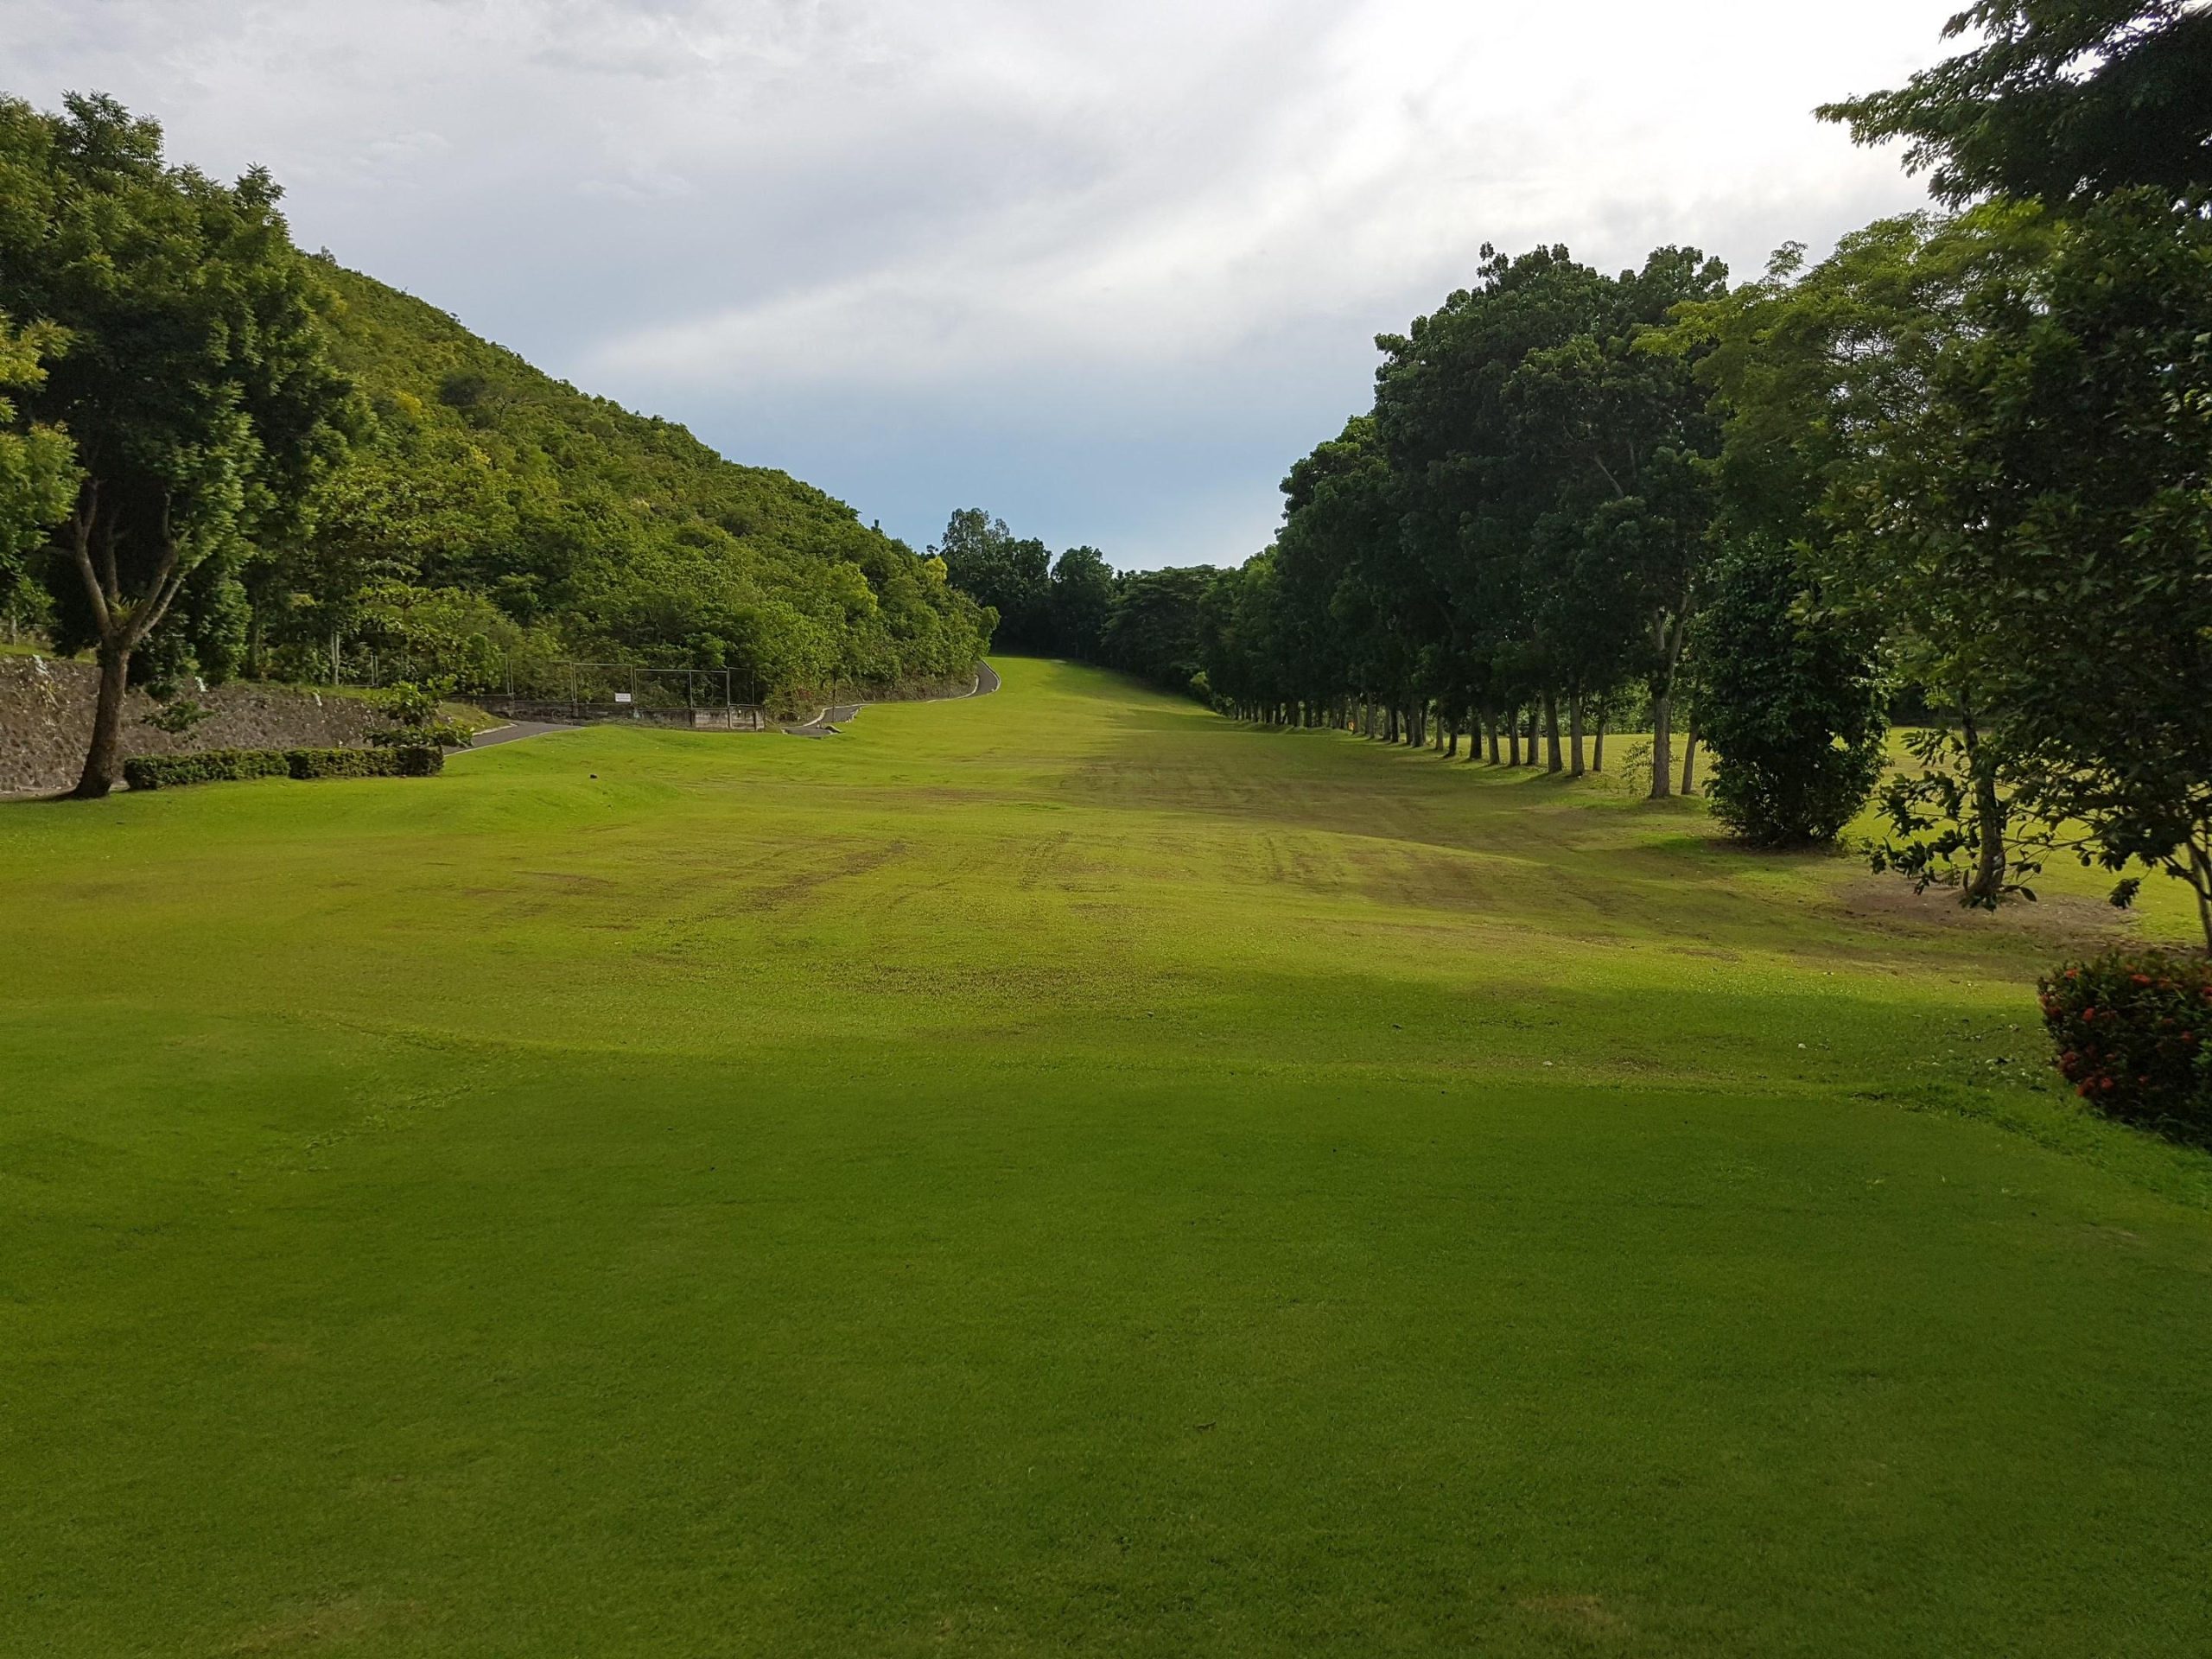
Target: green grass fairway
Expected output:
[1059,1172]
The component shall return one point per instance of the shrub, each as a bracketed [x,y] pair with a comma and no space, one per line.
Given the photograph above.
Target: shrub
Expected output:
[208,767]
[229,766]
[1788,703]
[415,716]
[2133,1030]
[406,760]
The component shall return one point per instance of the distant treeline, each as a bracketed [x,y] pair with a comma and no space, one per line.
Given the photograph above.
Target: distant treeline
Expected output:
[1148,623]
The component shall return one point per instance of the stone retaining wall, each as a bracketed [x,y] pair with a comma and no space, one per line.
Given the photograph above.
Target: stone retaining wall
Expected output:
[46,720]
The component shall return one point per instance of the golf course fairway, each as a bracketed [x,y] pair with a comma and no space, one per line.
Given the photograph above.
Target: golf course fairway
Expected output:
[1060,1171]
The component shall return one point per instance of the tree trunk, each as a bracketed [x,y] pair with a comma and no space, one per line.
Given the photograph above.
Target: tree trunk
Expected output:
[120,627]
[1553,763]
[1489,731]
[1988,884]
[2199,866]
[1451,739]
[1663,747]
[1574,736]
[1513,737]
[103,760]
[1597,745]
[1689,761]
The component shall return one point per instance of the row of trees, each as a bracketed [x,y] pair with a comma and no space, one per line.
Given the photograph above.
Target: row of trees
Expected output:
[1969,454]
[219,455]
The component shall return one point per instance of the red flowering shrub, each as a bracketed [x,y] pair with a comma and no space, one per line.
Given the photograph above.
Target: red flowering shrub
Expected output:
[2133,1031]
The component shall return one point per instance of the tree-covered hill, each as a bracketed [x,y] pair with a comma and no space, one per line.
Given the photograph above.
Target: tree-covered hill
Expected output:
[490,511]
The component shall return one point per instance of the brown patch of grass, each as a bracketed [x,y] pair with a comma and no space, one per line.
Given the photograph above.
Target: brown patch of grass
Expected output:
[340,1621]
[1584,1615]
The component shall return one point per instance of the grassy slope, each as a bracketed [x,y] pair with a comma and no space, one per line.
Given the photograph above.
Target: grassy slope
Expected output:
[1055,1171]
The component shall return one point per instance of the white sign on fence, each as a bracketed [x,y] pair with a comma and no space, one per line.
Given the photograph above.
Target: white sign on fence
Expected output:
[621,696]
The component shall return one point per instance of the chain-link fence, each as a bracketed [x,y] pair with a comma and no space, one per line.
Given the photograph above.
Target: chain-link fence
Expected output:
[703,699]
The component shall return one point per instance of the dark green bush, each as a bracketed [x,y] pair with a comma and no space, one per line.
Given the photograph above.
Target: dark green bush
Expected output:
[411,760]
[1789,705]
[208,766]
[415,718]
[2133,1031]
[228,765]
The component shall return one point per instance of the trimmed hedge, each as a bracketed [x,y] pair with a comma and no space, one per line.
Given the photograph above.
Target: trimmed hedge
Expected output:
[2133,1029]
[229,765]
[414,761]
[208,766]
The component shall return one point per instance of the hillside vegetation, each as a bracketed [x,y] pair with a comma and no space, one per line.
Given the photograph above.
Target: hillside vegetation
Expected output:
[1061,1173]
[600,532]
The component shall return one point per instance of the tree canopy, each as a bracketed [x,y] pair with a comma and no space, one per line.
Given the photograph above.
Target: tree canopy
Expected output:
[2063,99]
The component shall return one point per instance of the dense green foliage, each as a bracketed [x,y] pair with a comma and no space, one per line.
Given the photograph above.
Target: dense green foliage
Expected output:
[238,766]
[38,470]
[202,767]
[1792,704]
[1519,532]
[383,760]
[500,519]
[2133,1032]
[2061,99]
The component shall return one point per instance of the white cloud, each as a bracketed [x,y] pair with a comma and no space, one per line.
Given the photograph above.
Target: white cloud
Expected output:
[809,226]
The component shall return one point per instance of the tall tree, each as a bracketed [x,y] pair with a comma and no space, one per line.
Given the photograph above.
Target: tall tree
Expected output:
[1838,438]
[1156,630]
[1631,436]
[196,388]
[2063,99]
[1471,483]
[2084,400]
[1082,600]
[1011,574]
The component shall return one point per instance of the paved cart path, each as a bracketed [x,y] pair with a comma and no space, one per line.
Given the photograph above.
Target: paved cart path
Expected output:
[826,722]
[515,730]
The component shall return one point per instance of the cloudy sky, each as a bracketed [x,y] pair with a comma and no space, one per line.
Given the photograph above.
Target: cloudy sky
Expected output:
[1106,270]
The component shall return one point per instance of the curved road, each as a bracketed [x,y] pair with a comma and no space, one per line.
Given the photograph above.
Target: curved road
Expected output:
[987,680]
